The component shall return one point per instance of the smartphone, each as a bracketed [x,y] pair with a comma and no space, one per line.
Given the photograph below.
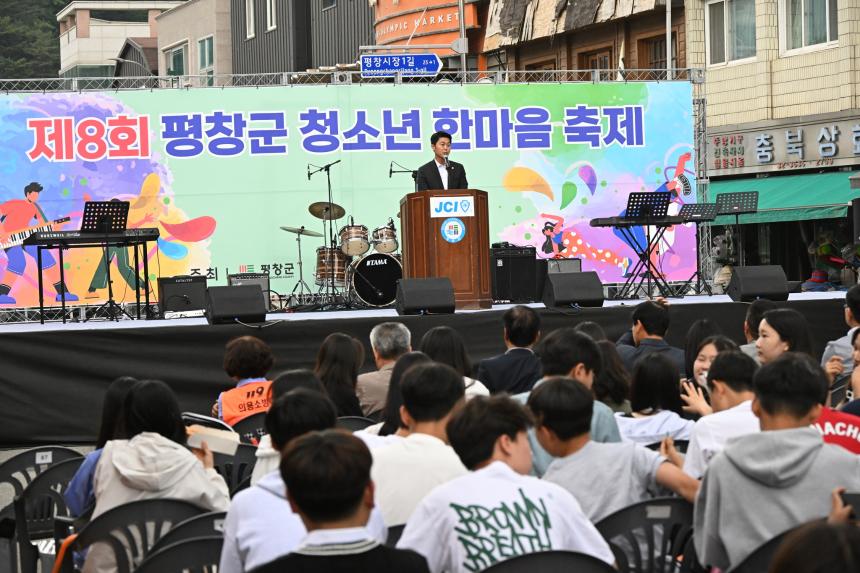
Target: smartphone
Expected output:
[852,498]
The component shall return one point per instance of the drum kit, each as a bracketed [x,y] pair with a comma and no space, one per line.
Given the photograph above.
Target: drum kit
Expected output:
[347,273]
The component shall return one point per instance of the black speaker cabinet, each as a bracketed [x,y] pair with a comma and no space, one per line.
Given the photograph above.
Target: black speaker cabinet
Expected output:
[425,296]
[181,293]
[855,215]
[750,283]
[566,289]
[240,303]
[261,279]
[513,274]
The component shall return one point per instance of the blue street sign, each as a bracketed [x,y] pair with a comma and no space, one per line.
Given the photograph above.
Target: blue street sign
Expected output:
[409,65]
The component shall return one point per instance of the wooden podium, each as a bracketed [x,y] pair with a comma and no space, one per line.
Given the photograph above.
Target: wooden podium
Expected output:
[445,233]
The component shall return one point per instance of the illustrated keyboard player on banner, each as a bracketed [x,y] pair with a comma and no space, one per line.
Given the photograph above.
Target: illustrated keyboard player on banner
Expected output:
[440,173]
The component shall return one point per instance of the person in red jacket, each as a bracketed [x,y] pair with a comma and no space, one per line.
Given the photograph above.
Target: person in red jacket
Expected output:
[247,360]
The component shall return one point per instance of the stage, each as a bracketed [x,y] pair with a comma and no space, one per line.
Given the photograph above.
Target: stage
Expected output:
[52,376]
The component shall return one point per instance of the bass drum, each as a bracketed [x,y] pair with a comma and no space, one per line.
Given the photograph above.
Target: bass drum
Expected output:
[373,279]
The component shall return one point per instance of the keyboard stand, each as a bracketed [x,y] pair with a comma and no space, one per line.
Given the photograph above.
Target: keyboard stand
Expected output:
[644,266]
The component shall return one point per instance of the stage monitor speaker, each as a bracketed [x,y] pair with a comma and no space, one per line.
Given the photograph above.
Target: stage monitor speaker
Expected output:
[567,289]
[229,304]
[749,283]
[261,279]
[855,214]
[181,293]
[425,296]
[555,266]
[513,274]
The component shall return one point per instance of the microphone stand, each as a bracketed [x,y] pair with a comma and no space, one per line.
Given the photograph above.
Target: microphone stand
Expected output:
[402,169]
[330,292]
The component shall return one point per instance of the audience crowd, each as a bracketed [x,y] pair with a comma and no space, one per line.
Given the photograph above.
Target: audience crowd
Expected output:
[523,452]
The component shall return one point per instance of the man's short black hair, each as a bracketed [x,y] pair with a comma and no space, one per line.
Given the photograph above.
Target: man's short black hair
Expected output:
[430,391]
[326,474]
[562,349]
[474,428]
[247,357]
[522,324]
[755,313]
[653,316]
[592,329]
[852,301]
[295,379]
[298,412]
[32,187]
[563,405]
[439,135]
[734,369]
[792,384]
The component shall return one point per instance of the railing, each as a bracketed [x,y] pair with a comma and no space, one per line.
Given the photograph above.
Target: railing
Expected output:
[340,77]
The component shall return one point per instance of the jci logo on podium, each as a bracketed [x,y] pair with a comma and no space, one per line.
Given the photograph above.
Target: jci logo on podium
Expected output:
[448,206]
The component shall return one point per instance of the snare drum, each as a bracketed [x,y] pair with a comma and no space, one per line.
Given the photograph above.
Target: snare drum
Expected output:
[385,239]
[353,240]
[331,266]
[373,279]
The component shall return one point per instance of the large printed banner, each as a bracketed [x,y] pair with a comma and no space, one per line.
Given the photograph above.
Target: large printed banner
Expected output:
[220,171]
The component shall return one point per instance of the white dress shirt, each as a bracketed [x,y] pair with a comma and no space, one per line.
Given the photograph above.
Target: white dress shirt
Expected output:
[443,173]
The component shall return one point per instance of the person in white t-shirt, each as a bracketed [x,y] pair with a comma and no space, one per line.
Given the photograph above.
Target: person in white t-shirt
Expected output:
[407,470]
[497,511]
[604,478]
[731,389]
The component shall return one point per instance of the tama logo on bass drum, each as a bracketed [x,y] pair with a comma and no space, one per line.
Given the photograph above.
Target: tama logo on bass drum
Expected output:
[376,263]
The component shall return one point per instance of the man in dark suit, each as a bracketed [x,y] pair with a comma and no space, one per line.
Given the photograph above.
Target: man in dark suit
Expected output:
[518,369]
[327,478]
[441,173]
[650,323]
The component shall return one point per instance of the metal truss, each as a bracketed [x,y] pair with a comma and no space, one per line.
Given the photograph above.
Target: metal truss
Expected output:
[77,313]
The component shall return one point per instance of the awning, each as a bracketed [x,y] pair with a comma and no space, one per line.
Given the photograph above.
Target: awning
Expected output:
[791,197]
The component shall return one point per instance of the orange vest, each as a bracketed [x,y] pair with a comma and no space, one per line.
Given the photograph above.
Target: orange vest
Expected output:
[239,403]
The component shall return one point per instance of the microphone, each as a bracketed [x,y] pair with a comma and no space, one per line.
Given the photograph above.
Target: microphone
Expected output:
[390,169]
[447,165]
[309,172]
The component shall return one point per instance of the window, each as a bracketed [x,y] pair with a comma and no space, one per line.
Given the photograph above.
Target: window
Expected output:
[596,60]
[810,22]
[206,52]
[176,62]
[271,15]
[326,4]
[730,27]
[249,18]
[652,53]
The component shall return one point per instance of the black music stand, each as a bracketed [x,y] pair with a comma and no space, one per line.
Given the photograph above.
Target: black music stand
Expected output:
[697,213]
[104,218]
[645,207]
[738,204]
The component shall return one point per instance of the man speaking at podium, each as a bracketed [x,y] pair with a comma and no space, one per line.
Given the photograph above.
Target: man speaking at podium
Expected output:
[441,173]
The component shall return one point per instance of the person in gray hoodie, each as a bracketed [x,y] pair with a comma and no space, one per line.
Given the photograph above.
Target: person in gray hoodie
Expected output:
[763,484]
[260,526]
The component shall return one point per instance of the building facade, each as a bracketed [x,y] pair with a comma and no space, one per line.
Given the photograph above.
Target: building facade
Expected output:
[270,36]
[195,39]
[338,28]
[89,46]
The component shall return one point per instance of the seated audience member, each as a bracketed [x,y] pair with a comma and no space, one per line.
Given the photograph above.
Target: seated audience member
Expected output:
[443,344]
[696,334]
[763,484]
[693,390]
[247,360]
[853,398]
[405,471]
[730,383]
[819,547]
[260,525]
[518,368]
[842,427]
[388,341]
[656,403]
[392,428]
[457,526]
[571,354]
[592,329]
[153,463]
[612,383]
[782,330]
[650,323]
[269,458]
[327,479]
[79,494]
[602,477]
[338,361]
[755,312]
[843,347]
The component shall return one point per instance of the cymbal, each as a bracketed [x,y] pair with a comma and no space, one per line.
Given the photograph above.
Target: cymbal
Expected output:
[301,231]
[320,210]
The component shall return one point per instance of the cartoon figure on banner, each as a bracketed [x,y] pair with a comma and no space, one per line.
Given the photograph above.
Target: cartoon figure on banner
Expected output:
[120,254]
[16,217]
